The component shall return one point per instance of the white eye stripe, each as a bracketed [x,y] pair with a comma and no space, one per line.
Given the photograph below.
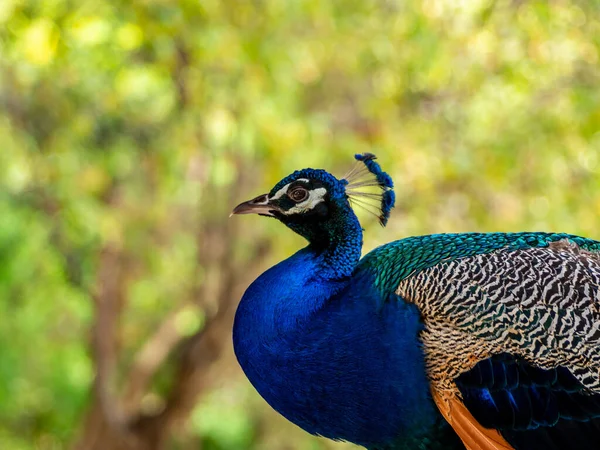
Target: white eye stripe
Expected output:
[281,192]
[315,197]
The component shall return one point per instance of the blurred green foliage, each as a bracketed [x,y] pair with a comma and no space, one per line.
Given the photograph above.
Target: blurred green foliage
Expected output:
[123,122]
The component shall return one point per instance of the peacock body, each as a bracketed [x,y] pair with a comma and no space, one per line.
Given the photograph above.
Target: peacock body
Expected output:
[483,341]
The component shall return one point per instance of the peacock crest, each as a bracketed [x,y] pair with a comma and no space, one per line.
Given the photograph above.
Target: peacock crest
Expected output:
[370,188]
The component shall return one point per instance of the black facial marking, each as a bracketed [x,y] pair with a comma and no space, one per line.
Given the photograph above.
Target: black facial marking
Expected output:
[321,210]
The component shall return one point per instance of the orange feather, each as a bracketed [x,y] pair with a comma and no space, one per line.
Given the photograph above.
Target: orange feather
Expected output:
[473,435]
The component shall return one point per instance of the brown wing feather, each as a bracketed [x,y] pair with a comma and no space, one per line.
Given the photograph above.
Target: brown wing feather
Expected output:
[473,435]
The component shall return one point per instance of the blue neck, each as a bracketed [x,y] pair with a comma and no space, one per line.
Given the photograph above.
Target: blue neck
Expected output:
[294,289]
[335,243]
[288,294]
[312,335]
[338,256]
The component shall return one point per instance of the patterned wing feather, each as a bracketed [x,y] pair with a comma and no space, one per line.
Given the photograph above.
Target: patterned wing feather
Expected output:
[515,335]
[540,304]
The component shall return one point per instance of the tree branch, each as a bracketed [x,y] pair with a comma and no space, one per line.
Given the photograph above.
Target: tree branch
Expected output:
[149,359]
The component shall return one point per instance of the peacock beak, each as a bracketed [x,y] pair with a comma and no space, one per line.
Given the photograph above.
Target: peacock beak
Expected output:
[258,205]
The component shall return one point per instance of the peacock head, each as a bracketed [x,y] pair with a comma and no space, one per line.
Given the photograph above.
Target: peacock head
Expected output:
[312,202]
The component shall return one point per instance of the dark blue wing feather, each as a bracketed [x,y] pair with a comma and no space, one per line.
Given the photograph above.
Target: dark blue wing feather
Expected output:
[531,407]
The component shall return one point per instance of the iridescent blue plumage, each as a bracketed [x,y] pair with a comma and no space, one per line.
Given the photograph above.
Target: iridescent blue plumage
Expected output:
[484,341]
[298,337]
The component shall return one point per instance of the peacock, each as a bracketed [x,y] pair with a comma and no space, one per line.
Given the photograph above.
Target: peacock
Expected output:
[446,341]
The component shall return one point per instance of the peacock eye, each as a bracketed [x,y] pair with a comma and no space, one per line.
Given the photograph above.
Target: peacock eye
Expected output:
[298,195]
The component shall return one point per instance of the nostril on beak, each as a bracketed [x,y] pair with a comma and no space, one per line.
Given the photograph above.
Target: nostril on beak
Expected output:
[262,200]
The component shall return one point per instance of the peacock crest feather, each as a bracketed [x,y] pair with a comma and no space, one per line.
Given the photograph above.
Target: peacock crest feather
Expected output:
[370,188]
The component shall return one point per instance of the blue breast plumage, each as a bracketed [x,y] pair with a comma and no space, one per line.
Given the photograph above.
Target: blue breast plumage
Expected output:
[483,341]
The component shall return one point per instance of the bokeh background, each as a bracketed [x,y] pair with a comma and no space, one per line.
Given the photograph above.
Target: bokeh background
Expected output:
[129,130]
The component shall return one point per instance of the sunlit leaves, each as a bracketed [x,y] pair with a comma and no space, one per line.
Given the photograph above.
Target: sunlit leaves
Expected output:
[39,41]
